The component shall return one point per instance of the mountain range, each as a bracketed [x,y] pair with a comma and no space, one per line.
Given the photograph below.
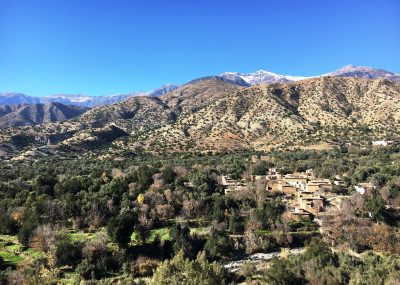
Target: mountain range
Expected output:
[243,79]
[32,114]
[216,113]
[13,98]
[262,76]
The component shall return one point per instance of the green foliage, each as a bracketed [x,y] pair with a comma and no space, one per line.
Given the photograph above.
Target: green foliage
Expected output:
[181,238]
[68,252]
[270,213]
[168,174]
[121,227]
[262,167]
[281,273]
[26,230]
[375,205]
[205,180]
[182,271]
[44,184]
[100,263]
[234,222]
[320,253]
[218,244]
[7,225]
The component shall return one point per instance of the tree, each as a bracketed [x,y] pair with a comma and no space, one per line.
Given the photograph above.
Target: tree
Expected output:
[181,237]
[45,237]
[8,226]
[98,259]
[281,273]
[218,244]
[44,184]
[168,174]
[121,227]
[234,220]
[140,199]
[318,251]
[375,205]
[182,271]
[68,252]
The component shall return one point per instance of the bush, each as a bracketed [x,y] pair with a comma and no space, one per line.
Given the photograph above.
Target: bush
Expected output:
[68,252]
[181,270]
[7,225]
[120,228]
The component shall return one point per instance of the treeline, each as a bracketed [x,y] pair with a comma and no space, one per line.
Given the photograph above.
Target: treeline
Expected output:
[123,203]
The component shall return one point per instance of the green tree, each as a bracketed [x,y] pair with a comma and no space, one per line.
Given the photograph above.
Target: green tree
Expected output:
[282,273]
[234,224]
[375,205]
[181,237]
[182,271]
[68,252]
[121,227]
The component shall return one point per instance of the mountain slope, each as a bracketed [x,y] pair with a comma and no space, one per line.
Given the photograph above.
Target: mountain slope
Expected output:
[199,93]
[166,88]
[134,116]
[312,111]
[212,114]
[24,115]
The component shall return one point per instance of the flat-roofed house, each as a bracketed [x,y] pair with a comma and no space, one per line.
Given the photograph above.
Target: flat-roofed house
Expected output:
[310,201]
[299,214]
[227,180]
[319,185]
[298,181]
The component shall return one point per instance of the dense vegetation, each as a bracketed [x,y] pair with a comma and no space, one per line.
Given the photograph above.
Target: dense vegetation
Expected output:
[121,220]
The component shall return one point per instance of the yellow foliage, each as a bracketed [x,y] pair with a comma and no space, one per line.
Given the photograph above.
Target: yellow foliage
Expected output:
[140,199]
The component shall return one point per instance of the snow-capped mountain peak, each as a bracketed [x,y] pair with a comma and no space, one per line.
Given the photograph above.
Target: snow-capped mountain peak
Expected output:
[360,71]
[260,76]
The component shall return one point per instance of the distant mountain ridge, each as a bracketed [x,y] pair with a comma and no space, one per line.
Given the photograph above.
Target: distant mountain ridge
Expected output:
[213,114]
[238,78]
[32,114]
[263,76]
[14,98]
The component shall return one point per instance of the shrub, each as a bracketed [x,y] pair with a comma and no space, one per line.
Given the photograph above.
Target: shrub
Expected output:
[181,270]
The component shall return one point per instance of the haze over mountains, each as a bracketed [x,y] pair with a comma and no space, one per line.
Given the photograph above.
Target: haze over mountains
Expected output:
[217,113]
[14,98]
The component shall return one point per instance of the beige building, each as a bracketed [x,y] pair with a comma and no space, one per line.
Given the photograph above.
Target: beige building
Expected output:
[319,185]
[310,201]
[298,181]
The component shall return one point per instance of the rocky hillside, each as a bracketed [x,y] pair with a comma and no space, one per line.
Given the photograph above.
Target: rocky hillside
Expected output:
[216,114]
[134,116]
[25,115]
[310,112]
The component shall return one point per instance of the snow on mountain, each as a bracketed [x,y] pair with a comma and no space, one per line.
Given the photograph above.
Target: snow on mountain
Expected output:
[79,100]
[261,76]
[17,98]
[242,79]
[360,72]
[166,88]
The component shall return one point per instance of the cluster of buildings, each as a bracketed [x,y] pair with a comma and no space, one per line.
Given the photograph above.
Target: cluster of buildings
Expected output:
[306,194]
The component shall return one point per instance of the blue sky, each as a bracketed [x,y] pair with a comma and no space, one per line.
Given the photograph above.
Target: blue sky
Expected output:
[117,46]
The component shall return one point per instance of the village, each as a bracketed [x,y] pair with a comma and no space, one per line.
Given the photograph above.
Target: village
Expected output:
[306,196]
